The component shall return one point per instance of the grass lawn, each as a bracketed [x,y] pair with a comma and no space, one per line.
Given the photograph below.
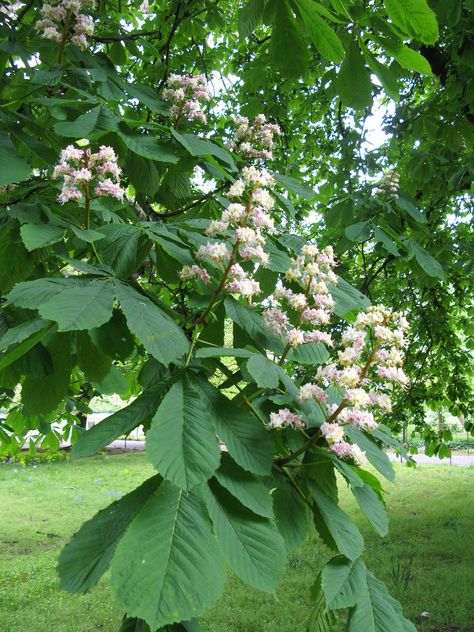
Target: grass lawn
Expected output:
[427,560]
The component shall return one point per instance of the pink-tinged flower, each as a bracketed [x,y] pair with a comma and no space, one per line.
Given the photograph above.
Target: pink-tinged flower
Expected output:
[332,432]
[297,301]
[217,228]
[315,317]
[312,392]
[236,190]
[381,400]
[393,374]
[284,418]
[216,252]
[319,336]
[362,419]
[195,272]
[261,197]
[249,236]
[185,92]
[295,337]
[357,397]
[347,451]
[245,287]
[105,188]
[276,320]
[82,175]
[234,213]
[255,253]
[260,219]
[69,193]
[254,140]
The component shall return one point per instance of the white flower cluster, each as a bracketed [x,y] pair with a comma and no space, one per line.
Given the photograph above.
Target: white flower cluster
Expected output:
[244,222]
[389,184]
[284,418]
[255,139]
[63,22]
[298,316]
[84,172]
[185,92]
[363,372]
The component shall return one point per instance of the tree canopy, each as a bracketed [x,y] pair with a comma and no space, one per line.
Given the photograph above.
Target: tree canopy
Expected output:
[178,181]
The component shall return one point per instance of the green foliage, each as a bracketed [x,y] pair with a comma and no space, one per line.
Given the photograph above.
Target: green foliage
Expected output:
[95,301]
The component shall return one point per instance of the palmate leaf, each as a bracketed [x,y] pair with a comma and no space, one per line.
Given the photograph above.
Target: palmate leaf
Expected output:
[120,423]
[331,521]
[353,80]
[182,441]
[372,507]
[43,394]
[139,625]
[33,294]
[167,568]
[320,620]
[251,544]
[40,235]
[250,490]
[415,18]
[83,307]
[158,333]
[377,611]
[244,435]
[343,582]
[25,345]
[86,558]
[291,514]
[373,451]
[324,38]
[14,168]
[288,48]
[264,371]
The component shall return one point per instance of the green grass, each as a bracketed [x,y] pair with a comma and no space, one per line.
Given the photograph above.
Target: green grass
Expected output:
[430,546]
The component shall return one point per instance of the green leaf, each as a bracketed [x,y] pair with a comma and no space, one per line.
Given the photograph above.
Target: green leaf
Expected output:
[218,352]
[287,48]
[309,354]
[407,57]
[158,333]
[88,235]
[385,74]
[320,620]
[415,18]
[373,452]
[342,581]
[426,261]
[358,232]
[120,423]
[25,345]
[87,556]
[291,515]
[41,395]
[245,437]
[343,531]
[81,127]
[376,610]
[19,333]
[252,323]
[251,544]
[40,235]
[94,364]
[411,209]
[264,371]
[182,442]
[201,147]
[347,298]
[353,81]
[324,38]
[149,147]
[250,17]
[123,248]
[81,308]
[33,294]
[388,243]
[14,168]
[294,185]
[373,508]
[247,488]
[167,567]
[134,625]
